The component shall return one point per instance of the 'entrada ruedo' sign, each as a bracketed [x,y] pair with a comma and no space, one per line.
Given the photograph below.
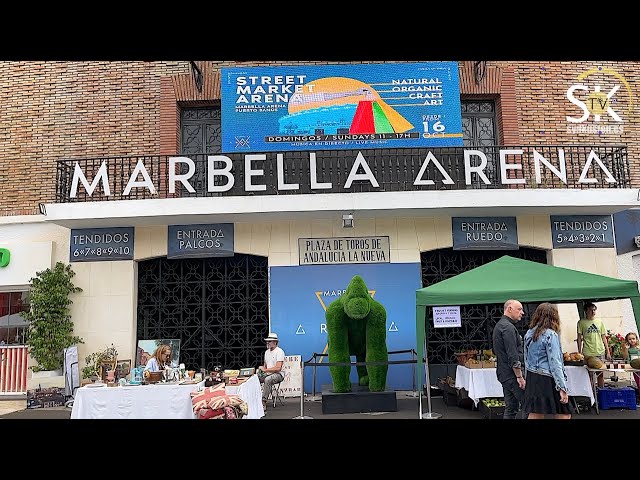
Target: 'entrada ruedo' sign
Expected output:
[200,241]
[485,233]
[101,244]
[582,231]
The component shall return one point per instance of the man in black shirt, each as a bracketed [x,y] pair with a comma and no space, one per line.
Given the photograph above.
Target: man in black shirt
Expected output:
[507,345]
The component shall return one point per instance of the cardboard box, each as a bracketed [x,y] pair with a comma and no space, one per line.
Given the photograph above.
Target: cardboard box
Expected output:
[481,364]
[468,364]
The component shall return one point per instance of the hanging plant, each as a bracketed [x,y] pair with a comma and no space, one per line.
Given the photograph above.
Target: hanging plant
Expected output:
[50,329]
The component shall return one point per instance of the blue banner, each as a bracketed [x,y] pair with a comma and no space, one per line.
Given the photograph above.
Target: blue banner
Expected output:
[337,107]
[300,296]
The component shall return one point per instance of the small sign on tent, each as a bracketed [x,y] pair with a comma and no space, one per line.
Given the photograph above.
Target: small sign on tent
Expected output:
[445,317]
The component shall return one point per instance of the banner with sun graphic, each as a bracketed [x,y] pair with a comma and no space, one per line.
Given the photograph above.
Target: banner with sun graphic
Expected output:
[301,295]
[335,107]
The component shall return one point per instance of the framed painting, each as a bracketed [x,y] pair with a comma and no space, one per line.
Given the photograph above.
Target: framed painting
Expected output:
[146,349]
[123,368]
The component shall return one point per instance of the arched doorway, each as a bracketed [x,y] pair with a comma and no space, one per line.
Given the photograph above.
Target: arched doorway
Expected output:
[217,307]
[477,320]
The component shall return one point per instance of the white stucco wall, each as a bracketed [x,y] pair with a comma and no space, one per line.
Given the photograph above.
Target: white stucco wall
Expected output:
[601,261]
[629,269]
[105,312]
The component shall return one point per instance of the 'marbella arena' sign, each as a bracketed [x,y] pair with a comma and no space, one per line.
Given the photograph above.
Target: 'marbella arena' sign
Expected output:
[219,167]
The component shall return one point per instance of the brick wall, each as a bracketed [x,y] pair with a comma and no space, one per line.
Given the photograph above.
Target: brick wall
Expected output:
[542,104]
[54,110]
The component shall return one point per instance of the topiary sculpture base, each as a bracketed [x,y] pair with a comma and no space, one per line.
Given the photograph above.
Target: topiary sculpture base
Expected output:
[358,400]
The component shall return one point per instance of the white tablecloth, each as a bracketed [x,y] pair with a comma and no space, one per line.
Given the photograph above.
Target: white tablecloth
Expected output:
[140,401]
[251,392]
[483,383]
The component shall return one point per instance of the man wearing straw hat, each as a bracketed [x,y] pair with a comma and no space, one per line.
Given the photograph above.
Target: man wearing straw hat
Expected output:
[270,372]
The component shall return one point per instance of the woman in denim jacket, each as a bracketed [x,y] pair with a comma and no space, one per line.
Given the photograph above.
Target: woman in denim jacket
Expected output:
[546,390]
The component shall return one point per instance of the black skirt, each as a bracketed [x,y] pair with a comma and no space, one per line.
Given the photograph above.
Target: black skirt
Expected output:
[541,396]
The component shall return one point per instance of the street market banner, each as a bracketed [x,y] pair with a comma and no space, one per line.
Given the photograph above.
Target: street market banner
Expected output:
[300,296]
[336,107]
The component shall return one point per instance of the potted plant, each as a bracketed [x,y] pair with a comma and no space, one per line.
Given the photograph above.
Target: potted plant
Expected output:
[50,329]
[95,360]
[616,345]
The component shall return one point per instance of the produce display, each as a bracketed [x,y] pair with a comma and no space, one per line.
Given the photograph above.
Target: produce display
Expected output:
[449,381]
[573,357]
[493,402]
[465,355]
[595,362]
[475,357]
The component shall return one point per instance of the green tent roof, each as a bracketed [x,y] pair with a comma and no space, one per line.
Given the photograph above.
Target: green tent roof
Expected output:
[527,281]
[508,277]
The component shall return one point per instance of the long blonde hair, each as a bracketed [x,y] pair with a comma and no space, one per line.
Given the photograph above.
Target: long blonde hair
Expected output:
[159,355]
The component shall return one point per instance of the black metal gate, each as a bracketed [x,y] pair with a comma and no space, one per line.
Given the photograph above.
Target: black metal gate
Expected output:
[217,307]
[477,320]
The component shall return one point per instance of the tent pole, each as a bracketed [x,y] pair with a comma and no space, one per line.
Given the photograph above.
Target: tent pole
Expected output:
[420,401]
[429,415]
[420,319]
[635,305]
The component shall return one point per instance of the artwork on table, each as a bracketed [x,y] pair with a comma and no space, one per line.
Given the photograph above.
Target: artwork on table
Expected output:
[146,348]
[45,397]
[104,366]
[123,368]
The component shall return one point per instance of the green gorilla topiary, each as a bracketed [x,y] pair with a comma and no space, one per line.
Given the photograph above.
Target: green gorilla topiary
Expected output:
[356,325]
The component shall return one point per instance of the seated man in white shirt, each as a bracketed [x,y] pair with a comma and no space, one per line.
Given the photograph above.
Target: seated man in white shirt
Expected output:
[270,373]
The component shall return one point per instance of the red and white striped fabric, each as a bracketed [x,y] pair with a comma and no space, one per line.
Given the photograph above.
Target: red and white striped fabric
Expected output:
[13,369]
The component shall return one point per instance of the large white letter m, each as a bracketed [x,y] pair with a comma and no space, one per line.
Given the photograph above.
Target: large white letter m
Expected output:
[100,175]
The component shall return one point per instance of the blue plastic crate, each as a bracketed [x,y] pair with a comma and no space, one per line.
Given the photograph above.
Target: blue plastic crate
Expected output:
[617,398]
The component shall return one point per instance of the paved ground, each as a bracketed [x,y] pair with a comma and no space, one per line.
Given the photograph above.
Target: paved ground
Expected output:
[408,408]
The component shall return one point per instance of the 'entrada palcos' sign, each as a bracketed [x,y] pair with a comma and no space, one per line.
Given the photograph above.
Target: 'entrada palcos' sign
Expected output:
[335,107]
[200,241]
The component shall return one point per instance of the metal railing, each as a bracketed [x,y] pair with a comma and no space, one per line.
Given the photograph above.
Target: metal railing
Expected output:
[393,169]
[13,369]
[312,363]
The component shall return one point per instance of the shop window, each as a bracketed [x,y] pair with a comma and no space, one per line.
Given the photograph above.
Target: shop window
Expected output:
[13,326]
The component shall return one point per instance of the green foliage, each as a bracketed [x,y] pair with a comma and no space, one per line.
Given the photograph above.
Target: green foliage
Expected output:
[616,344]
[356,299]
[356,325]
[50,329]
[94,359]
